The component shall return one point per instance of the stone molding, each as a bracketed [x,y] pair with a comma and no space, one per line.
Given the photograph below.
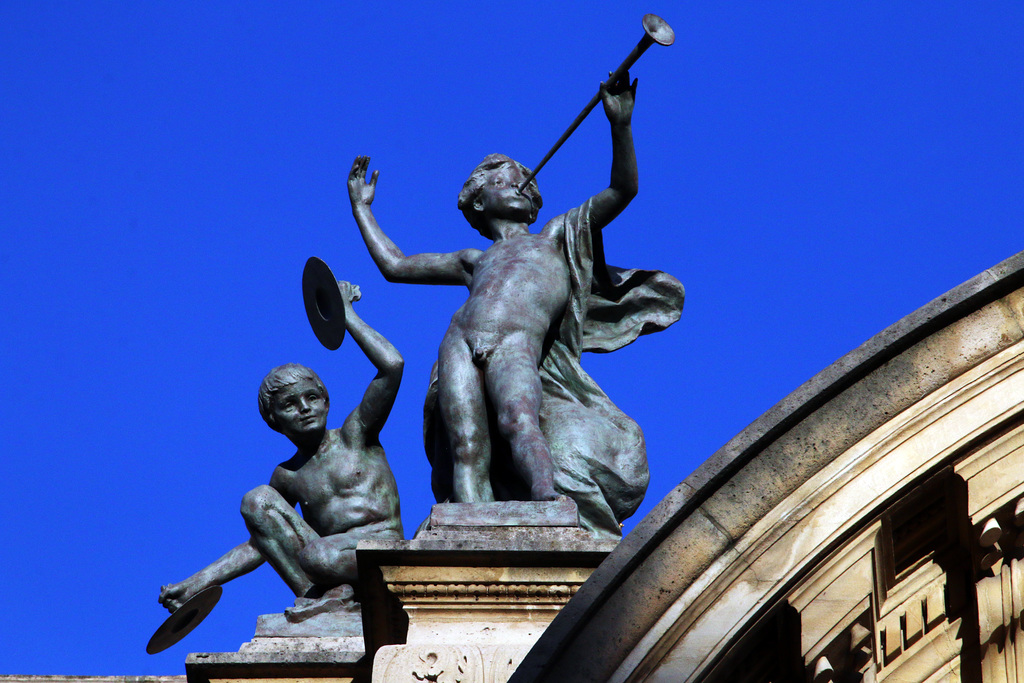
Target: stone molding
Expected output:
[473,611]
[497,592]
[940,379]
[481,592]
[480,605]
[823,512]
[301,664]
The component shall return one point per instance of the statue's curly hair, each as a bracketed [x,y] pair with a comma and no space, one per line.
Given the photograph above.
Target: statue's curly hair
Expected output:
[475,183]
[277,379]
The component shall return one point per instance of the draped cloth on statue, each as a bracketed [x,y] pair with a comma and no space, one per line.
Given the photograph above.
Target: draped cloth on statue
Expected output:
[598,452]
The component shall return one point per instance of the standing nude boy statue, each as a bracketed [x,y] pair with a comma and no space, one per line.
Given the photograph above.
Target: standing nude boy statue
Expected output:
[519,289]
[339,477]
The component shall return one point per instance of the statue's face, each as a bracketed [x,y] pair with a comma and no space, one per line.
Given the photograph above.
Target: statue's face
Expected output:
[300,408]
[500,198]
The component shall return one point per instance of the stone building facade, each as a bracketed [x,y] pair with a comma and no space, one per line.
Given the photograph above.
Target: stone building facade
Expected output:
[869,527]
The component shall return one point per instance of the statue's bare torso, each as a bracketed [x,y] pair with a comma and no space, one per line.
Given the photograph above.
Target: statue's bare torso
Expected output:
[533,267]
[338,489]
[490,355]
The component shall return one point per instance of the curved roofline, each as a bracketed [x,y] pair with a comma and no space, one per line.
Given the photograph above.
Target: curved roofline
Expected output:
[985,288]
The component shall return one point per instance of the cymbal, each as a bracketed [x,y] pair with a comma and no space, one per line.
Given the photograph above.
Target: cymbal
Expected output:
[185,618]
[325,307]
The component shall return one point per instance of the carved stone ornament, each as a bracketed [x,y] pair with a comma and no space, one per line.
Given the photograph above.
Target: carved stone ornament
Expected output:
[447,663]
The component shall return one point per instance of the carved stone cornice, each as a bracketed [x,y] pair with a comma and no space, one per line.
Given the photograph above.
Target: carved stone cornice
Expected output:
[533,593]
[517,602]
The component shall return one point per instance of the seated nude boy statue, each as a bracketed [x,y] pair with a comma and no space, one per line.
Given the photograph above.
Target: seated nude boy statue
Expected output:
[518,292]
[339,477]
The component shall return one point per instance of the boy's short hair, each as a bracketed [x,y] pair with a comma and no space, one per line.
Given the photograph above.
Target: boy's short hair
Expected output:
[277,379]
[476,181]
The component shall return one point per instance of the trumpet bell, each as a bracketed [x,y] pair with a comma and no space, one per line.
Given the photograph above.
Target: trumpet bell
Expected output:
[659,30]
[325,307]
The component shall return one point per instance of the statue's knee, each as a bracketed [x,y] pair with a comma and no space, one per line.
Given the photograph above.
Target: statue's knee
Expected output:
[512,423]
[509,424]
[468,448]
[314,558]
[256,503]
[328,563]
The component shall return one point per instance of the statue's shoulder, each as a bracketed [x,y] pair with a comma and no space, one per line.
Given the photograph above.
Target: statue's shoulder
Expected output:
[354,443]
[283,476]
[288,470]
[575,219]
[555,228]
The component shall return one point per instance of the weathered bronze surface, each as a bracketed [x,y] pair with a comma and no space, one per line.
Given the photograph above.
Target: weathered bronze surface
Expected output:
[510,413]
[340,479]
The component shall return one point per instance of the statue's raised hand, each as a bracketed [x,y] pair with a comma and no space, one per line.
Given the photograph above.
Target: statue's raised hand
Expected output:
[360,191]
[618,98]
[349,292]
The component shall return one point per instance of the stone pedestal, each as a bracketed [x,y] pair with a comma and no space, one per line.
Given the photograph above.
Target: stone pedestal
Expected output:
[326,648]
[476,588]
[463,601]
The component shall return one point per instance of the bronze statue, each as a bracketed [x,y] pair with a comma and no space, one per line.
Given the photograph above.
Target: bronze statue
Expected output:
[339,478]
[509,363]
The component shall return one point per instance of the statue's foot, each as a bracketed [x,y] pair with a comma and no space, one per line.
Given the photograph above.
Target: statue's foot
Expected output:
[338,599]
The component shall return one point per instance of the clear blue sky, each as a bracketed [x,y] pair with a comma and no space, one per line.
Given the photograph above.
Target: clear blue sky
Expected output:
[811,171]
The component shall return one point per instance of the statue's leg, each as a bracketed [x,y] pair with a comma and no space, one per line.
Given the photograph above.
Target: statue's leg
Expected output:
[460,394]
[279,533]
[331,560]
[514,387]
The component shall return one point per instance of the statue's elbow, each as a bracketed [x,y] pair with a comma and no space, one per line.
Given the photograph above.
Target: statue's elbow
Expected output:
[394,366]
[392,271]
[625,194]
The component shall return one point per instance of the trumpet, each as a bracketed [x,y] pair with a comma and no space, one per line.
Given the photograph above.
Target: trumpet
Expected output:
[656,30]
